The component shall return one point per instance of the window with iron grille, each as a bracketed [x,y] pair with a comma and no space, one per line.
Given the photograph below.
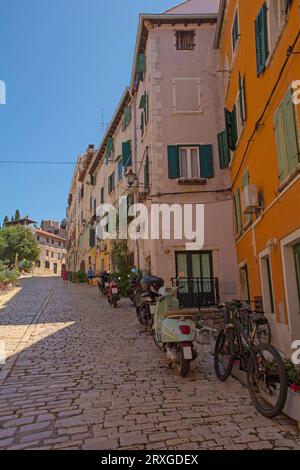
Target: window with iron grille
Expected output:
[185,40]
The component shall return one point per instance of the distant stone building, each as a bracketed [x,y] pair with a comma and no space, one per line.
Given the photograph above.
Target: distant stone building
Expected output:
[55,227]
[52,253]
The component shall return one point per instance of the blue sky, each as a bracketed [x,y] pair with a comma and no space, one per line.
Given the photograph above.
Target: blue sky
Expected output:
[61,60]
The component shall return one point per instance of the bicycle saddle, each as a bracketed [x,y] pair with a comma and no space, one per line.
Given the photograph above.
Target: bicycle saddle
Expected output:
[259,318]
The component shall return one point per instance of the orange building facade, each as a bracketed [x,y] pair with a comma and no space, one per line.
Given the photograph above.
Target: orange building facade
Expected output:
[259,43]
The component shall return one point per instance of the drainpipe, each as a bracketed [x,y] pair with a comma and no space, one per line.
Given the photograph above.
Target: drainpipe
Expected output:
[134,158]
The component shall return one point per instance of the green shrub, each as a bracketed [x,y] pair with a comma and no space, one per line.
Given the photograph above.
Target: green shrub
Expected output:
[74,277]
[293,373]
[27,266]
[81,276]
[9,276]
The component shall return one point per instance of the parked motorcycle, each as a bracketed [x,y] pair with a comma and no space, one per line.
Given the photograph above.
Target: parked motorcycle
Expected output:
[146,296]
[113,295]
[103,283]
[174,331]
[135,285]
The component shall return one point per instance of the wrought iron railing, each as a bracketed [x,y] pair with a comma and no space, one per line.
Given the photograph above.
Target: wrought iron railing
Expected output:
[198,292]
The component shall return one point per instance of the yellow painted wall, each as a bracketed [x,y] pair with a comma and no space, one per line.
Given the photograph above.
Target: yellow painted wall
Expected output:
[284,216]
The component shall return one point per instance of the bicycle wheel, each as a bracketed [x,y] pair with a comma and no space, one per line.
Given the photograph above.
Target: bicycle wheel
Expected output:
[224,354]
[267,380]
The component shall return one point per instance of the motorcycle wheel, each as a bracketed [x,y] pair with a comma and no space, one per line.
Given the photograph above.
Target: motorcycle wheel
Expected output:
[183,366]
[115,302]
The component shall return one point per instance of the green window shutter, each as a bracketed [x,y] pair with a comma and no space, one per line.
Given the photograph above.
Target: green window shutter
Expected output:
[108,148]
[120,170]
[173,161]
[141,66]
[142,124]
[287,6]
[102,196]
[290,130]
[242,98]
[126,154]
[238,212]
[281,145]
[231,128]
[224,153]
[113,181]
[261,39]
[146,173]
[206,161]
[93,180]
[235,30]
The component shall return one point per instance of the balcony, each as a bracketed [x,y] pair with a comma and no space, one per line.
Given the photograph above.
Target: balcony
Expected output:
[198,292]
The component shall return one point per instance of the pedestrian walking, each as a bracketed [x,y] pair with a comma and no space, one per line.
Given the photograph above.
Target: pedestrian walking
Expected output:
[90,275]
[64,276]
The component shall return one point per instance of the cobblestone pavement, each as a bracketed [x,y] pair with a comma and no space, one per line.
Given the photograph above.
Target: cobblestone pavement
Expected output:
[82,375]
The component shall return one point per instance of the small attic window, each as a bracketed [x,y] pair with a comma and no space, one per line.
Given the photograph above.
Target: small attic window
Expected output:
[185,40]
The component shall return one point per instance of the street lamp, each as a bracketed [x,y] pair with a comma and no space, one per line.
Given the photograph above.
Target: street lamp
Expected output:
[130,178]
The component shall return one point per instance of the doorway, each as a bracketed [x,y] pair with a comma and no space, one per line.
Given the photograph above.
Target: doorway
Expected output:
[198,287]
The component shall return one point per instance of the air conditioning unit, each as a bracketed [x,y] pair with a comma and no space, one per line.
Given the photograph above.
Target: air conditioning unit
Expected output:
[250,199]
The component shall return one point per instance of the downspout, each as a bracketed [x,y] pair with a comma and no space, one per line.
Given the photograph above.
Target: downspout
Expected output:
[134,158]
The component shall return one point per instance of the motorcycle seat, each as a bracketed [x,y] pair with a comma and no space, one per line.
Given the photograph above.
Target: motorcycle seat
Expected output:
[180,313]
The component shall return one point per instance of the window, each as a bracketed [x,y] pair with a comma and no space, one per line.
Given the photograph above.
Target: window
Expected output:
[59,243]
[231,128]
[47,265]
[245,182]
[92,237]
[297,264]
[52,241]
[146,173]
[91,203]
[38,238]
[93,180]
[241,105]
[267,283]
[48,241]
[198,267]
[235,30]
[261,40]
[47,252]
[126,154]
[189,162]
[109,148]
[38,263]
[120,169]
[244,280]
[185,40]
[277,15]
[126,119]
[82,192]
[102,196]
[144,107]
[286,136]
[224,153]
[111,183]
[141,66]
[142,123]
[52,254]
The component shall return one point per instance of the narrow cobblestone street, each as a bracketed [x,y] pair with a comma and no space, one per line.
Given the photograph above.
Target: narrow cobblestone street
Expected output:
[82,375]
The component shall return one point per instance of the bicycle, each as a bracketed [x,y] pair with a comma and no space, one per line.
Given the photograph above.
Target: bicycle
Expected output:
[255,323]
[266,373]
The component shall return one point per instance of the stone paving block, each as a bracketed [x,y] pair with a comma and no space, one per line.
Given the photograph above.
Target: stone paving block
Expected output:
[66,392]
